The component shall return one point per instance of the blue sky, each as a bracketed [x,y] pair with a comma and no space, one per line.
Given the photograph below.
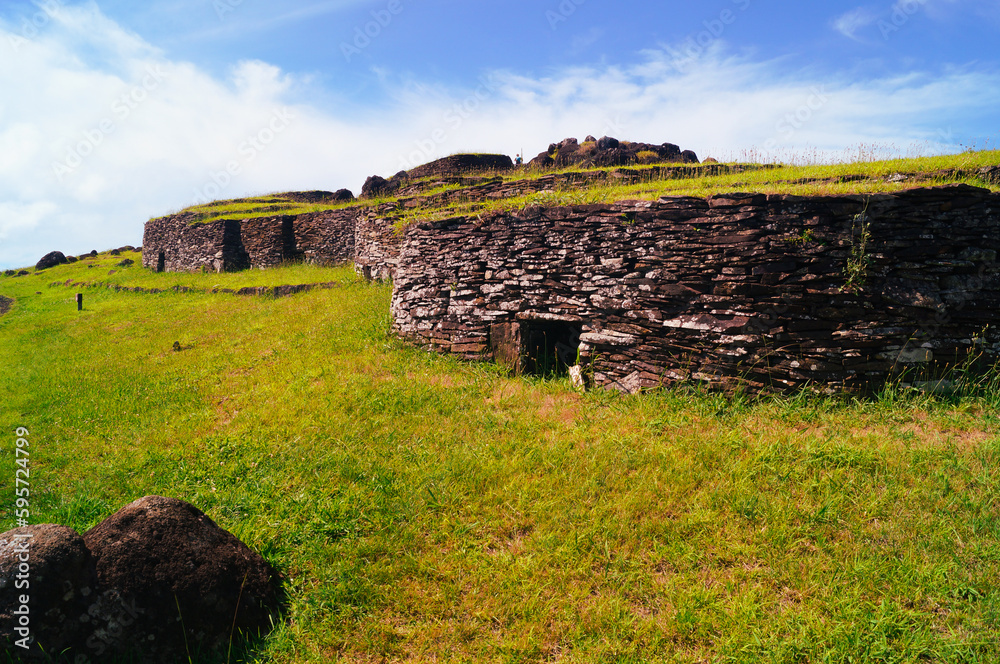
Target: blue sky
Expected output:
[112,112]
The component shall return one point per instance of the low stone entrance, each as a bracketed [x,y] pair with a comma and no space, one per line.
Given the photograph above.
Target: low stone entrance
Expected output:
[537,345]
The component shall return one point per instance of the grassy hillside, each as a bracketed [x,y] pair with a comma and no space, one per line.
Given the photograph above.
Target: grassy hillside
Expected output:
[427,510]
[865,174]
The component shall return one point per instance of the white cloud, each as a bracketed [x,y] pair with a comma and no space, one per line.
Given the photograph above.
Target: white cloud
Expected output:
[850,23]
[138,135]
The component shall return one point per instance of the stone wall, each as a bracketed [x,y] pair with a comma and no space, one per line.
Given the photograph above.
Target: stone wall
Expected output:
[736,290]
[377,243]
[269,241]
[326,238]
[329,237]
[173,244]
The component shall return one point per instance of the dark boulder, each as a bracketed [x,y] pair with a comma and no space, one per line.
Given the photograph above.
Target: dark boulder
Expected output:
[543,160]
[669,151]
[187,581]
[689,157]
[115,252]
[9,273]
[71,259]
[617,156]
[462,163]
[607,143]
[62,587]
[128,262]
[50,259]
[377,186]
[308,196]
[23,273]
[5,304]
[343,196]
[569,154]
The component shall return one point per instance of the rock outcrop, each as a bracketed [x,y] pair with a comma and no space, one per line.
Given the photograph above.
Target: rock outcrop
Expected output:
[609,151]
[6,304]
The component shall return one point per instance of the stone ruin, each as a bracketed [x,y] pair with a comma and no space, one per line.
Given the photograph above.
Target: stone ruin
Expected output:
[180,244]
[183,242]
[736,291]
[156,582]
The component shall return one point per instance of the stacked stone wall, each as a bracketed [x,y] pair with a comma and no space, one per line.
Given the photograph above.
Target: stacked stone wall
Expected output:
[269,241]
[325,238]
[377,244]
[754,291]
[174,244]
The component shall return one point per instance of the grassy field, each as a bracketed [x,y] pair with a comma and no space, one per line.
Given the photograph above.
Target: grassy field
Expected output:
[426,510]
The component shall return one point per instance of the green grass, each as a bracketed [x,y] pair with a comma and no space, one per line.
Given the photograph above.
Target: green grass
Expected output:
[864,173]
[849,178]
[423,509]
[809,180]
[250,208]
[105,269]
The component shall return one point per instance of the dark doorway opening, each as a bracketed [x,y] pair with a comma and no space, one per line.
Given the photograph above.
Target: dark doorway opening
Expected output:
[540,347]
[161,262]
[550,347]
[289,245]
